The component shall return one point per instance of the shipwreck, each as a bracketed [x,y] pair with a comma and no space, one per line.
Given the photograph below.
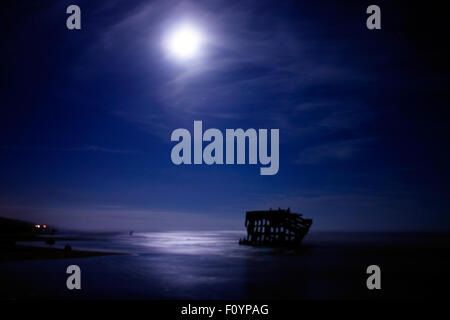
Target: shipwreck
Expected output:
[275,228]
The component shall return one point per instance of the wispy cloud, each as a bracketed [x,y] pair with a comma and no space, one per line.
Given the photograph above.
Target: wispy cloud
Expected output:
[260,73]
[338,151]
[91,148]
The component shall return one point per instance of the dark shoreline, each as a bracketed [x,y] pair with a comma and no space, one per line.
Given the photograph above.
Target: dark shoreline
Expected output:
[13,232]
[24,253]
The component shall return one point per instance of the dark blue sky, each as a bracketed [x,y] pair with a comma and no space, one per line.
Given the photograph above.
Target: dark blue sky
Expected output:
[86,115]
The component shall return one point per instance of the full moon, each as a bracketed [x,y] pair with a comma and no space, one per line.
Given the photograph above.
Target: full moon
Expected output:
[184,42]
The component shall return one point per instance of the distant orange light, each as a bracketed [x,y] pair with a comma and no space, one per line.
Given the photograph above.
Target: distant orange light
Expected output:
[44,226]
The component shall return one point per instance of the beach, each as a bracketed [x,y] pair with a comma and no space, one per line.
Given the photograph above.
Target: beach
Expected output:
[26,253]
[211,265]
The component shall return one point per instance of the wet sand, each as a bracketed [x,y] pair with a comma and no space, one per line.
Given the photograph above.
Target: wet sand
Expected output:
[23,253]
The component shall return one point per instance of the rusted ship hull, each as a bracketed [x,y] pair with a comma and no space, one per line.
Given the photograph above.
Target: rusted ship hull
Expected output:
[275,228]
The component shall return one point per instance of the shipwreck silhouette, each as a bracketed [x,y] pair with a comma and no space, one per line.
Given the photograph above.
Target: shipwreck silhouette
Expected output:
[275,228]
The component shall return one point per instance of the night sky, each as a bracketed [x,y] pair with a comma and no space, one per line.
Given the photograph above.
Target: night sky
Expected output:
[86,115]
